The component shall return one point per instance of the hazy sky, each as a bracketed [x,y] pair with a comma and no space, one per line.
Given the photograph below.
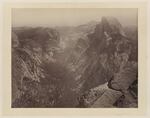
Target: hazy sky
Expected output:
[51,17]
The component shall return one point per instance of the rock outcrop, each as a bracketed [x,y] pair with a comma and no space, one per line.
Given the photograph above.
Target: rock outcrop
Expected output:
[109,58]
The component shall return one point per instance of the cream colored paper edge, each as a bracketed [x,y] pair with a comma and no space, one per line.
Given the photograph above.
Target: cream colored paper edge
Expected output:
[142,62]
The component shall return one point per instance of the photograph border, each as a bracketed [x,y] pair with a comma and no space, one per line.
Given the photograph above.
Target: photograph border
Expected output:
[142,62]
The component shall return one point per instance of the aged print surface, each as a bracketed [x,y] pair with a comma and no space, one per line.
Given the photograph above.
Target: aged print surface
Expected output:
[74,58]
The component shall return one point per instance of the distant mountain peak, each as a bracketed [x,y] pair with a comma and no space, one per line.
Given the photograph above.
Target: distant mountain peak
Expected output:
[112,25]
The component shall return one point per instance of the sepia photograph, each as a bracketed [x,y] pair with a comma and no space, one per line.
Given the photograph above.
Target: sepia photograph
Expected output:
[74,58]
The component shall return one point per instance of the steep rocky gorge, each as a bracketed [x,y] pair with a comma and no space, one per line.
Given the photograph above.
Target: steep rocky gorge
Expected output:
[99,69]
